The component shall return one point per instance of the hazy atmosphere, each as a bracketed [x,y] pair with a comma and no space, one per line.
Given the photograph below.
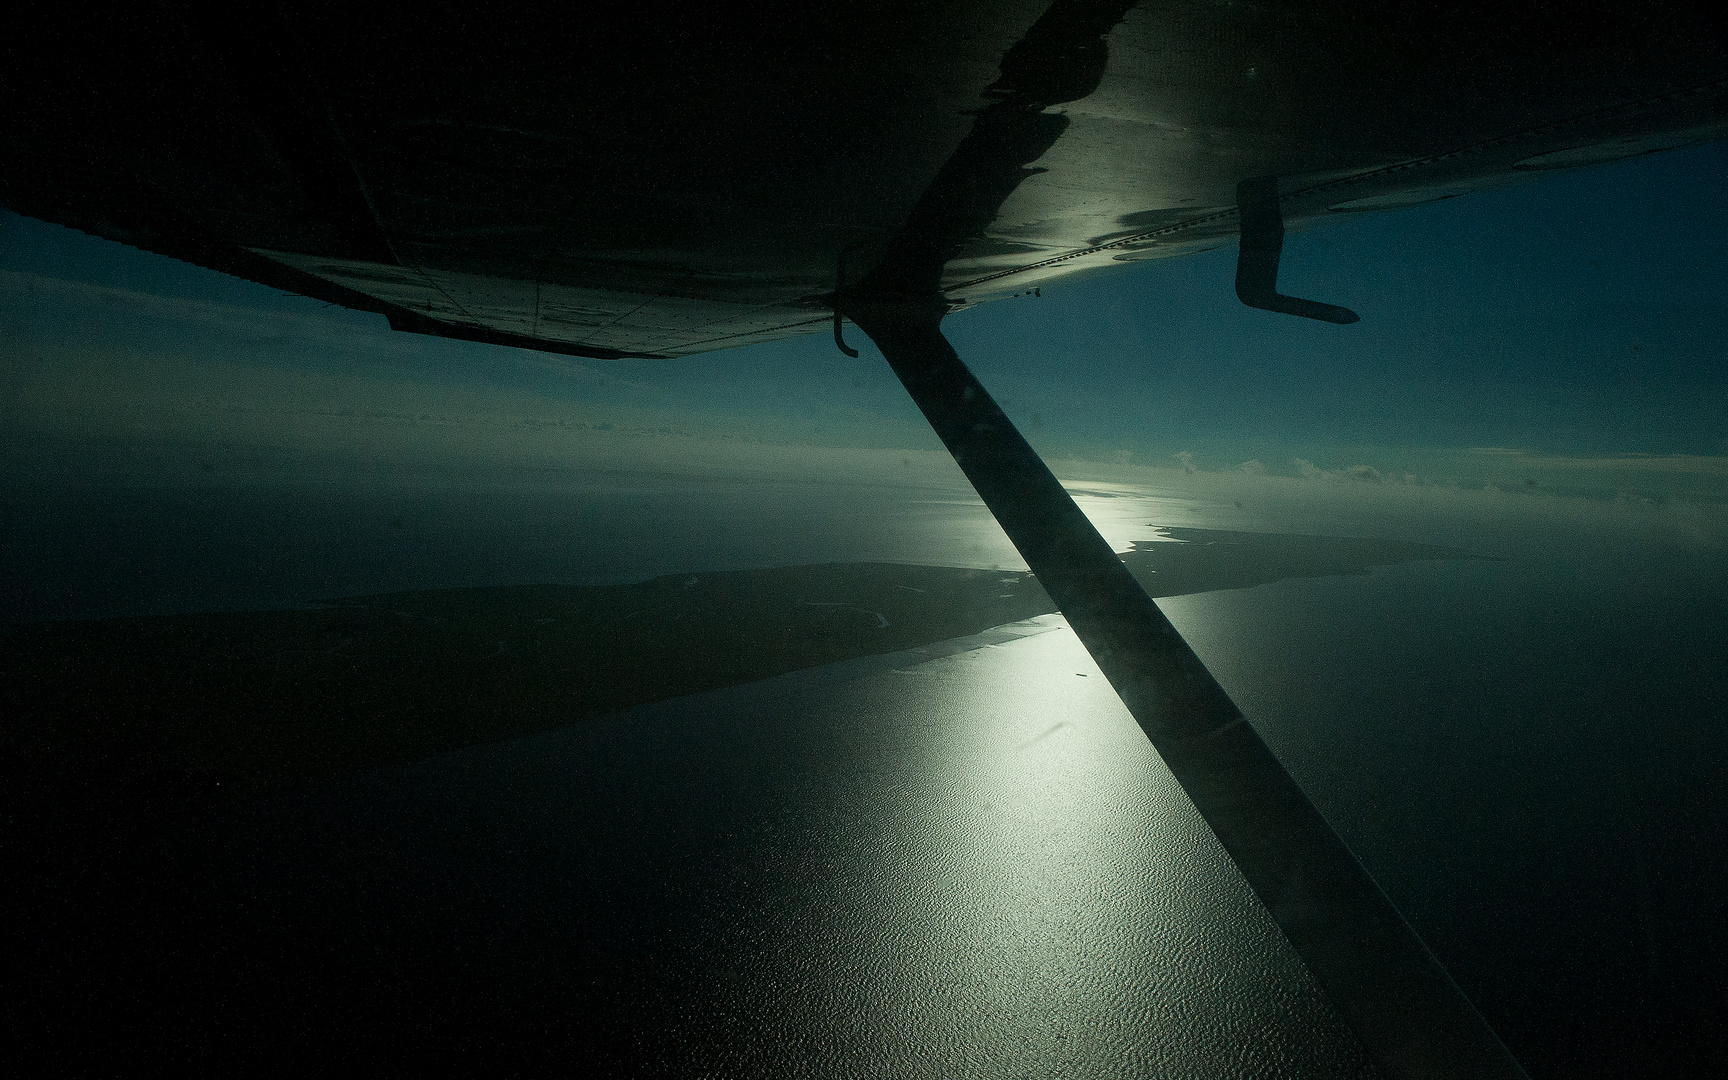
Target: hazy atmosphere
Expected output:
[1463,564]
[1548,355]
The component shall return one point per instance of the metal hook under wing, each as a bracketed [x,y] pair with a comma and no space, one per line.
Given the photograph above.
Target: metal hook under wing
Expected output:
[840,283]
[1262,245]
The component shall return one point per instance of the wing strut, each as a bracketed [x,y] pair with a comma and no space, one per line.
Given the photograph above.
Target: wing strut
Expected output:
[1411,1017]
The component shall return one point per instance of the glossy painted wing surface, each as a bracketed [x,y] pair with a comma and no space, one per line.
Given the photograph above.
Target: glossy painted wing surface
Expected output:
[678,177]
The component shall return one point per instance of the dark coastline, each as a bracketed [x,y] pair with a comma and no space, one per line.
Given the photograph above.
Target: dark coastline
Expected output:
[171,713]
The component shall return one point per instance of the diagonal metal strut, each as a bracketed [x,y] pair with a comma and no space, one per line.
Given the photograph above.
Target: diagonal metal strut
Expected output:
[1410,1016]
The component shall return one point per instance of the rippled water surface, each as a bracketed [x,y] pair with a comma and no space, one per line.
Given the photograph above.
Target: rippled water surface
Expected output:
[959,863]
[938,863]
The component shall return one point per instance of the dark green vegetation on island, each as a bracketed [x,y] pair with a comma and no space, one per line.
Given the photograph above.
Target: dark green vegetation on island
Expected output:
[169,712]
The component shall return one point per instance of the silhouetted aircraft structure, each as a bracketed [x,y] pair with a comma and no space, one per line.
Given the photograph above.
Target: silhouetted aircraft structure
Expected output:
[684,177]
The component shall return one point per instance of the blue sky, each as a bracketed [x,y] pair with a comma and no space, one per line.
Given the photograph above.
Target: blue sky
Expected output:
[1537,369]
[1578,313]
[1581,317]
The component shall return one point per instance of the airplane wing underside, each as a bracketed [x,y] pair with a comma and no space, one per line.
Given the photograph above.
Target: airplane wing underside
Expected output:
[684,178]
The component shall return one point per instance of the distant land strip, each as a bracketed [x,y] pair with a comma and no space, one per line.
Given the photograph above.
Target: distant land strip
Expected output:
[160,715]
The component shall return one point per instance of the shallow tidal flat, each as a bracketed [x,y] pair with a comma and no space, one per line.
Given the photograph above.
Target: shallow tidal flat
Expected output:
[169,713]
